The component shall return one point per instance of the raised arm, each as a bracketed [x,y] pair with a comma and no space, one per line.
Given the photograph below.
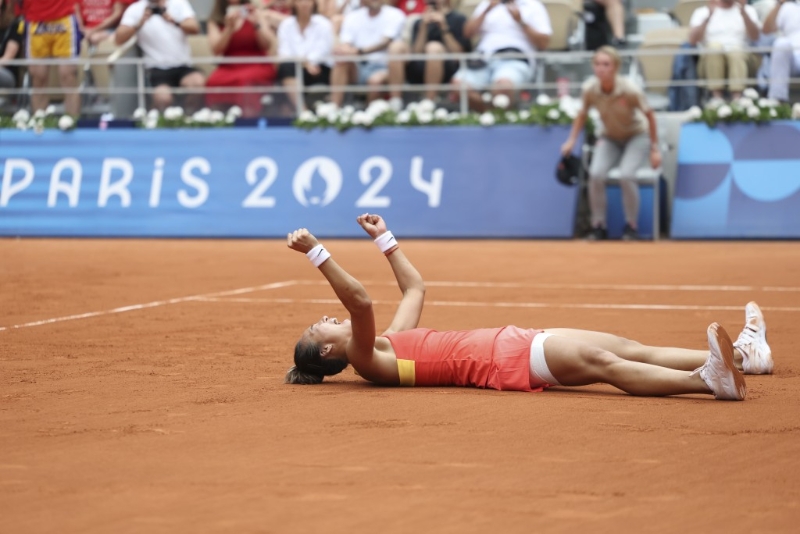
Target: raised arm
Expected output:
[408,278]
[349,291]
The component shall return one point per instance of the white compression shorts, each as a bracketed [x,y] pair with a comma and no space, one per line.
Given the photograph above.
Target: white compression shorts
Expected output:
[540,373]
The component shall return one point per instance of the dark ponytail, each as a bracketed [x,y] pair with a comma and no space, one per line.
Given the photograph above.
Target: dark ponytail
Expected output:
[310,367]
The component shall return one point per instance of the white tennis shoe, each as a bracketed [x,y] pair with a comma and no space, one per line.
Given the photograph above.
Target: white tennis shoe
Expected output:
[752,343]
[719,372]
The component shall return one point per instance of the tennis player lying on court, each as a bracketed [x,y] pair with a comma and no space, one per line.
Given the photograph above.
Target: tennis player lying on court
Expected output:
[508,358]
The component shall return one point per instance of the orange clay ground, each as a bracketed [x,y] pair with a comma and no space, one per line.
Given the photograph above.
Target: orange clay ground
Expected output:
[174,418]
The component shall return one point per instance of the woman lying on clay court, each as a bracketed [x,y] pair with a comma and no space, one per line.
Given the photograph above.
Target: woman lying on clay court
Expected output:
[508,358]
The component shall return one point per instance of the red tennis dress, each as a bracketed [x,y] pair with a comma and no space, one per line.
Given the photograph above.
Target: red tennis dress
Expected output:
[494,358]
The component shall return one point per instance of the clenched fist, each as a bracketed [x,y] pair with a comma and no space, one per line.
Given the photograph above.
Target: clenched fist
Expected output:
[301,240]
[374,225]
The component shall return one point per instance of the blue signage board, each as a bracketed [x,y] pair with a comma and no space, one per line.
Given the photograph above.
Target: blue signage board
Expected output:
[738,181]
[248,182]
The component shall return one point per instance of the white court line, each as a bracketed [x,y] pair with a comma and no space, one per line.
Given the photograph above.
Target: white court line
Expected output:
[209,297]
[153,304]
[464,304]
[607,287]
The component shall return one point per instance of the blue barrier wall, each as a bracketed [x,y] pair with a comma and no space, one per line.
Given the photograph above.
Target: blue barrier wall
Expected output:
[241,182]
[738,181]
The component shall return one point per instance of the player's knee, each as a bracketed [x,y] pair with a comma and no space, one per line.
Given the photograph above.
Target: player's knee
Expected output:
[599,360]
[628,347]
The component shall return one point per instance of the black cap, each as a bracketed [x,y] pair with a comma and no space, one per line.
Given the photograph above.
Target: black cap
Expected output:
[568,170]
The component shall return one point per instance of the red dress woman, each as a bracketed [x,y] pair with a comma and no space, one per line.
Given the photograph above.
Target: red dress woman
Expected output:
[240,30]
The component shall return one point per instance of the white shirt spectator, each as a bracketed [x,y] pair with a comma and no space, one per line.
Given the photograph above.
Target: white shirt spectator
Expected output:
[362,31]
[726,26]
[499,29]
[788,22]
[164,45]
[314,44]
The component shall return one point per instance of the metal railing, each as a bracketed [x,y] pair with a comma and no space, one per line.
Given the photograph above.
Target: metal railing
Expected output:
[538,84]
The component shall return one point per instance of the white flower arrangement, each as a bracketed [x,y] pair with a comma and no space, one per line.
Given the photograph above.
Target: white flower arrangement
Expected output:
[749,109]
[750,93]
[176,117]
[39,121]
[424,113]
[173,113]
[66,123]
[501,101]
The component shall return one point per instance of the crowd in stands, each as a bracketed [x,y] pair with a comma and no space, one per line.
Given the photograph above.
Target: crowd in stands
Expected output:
[347,42]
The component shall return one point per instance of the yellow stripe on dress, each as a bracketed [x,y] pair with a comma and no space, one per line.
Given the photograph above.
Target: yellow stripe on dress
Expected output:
[406,370]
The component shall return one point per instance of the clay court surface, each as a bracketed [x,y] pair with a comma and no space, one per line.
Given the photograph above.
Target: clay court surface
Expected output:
[169,414]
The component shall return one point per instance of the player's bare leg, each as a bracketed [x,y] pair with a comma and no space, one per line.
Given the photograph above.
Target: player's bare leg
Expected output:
[627,349]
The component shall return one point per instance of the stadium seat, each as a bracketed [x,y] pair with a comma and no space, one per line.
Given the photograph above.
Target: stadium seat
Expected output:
[97,76]
[566,23]
[201,49]
[684,8]
[645,176]
[650,6]
[656,70]
[467,7]
[647,22]
[408,29]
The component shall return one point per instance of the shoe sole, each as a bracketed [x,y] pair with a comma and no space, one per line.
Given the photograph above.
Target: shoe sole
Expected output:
[723,343]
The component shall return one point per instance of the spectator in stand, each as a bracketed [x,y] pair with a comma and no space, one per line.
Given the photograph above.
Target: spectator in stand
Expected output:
[785,58]
[236,28]
[370,32]
[513,26]
[629,139]
[615,15]
[726,26]
[99,18]
[12,36]
[52,31]
[161,27]
[308,35]
[439,30]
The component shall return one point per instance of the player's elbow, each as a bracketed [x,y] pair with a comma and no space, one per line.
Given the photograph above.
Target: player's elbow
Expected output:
[417,289]
[360,304]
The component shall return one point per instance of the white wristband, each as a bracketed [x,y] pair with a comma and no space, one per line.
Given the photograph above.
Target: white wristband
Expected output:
[318,255]
[385,241]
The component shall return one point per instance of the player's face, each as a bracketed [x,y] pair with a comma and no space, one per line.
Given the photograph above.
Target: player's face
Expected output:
[327,330]
[604,67]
